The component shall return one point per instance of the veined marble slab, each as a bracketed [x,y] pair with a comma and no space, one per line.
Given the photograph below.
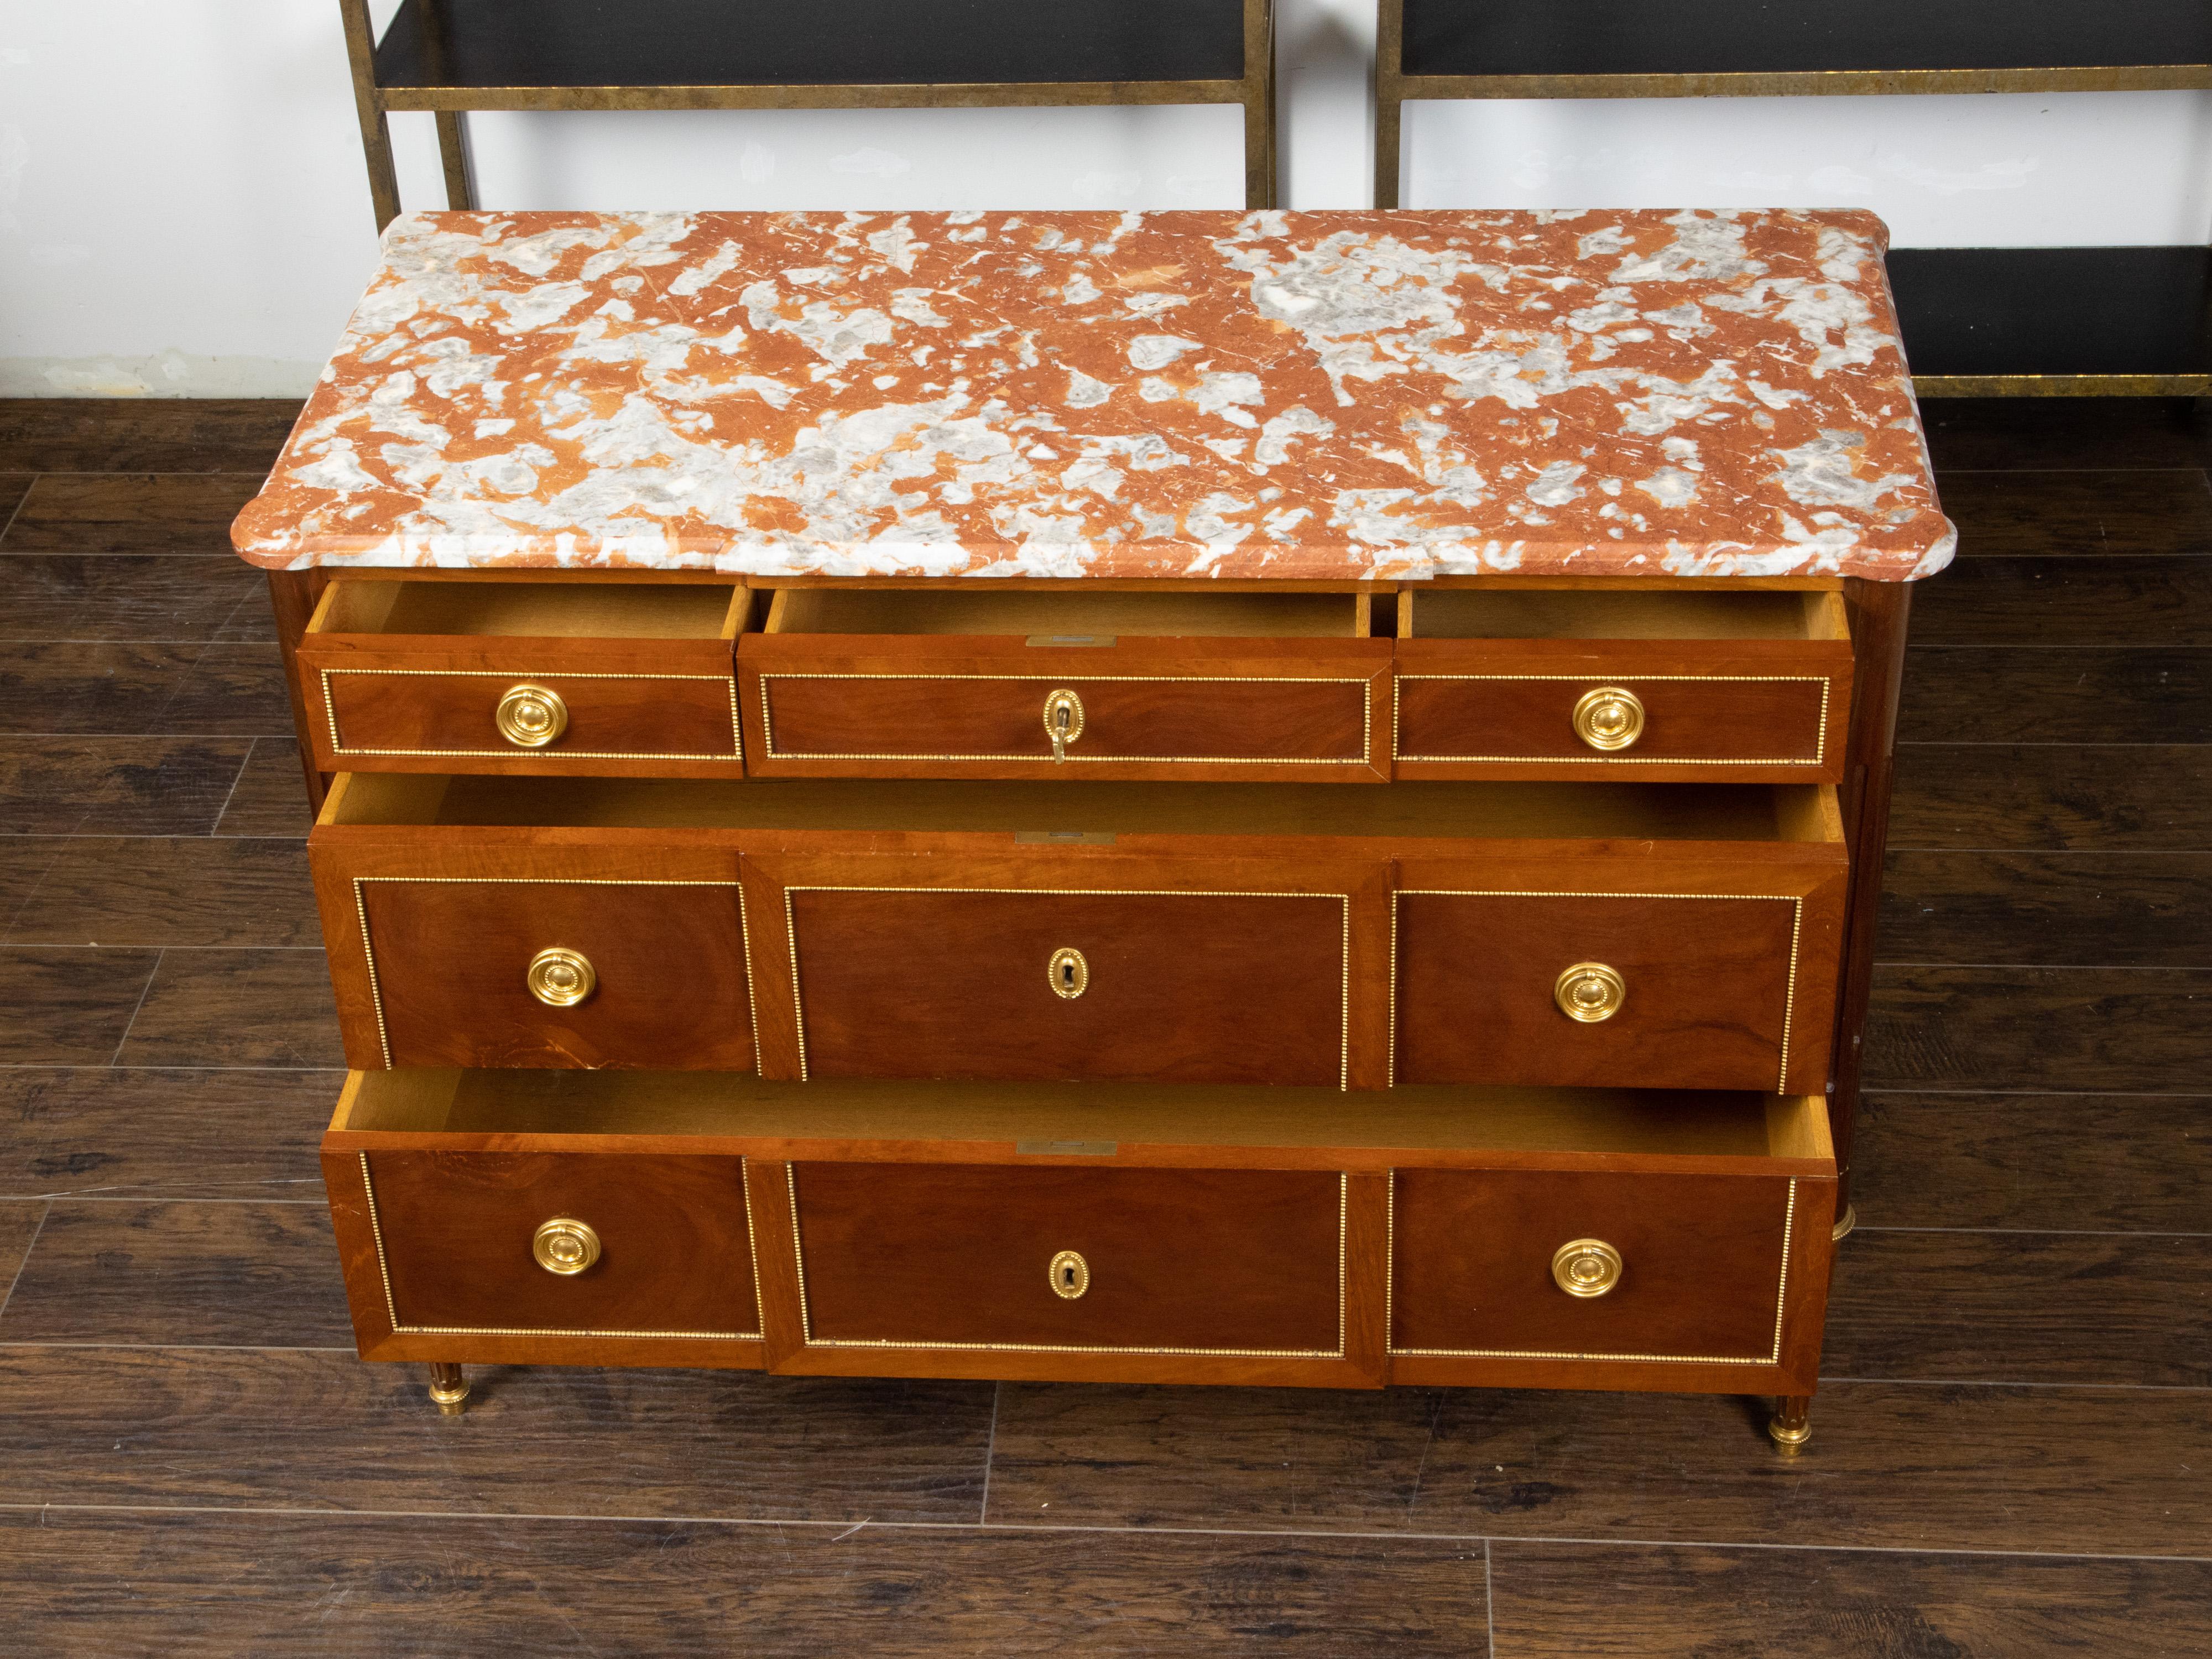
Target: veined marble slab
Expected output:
[1316,396]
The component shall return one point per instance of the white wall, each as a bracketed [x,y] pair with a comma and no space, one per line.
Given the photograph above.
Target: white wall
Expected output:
[184,212]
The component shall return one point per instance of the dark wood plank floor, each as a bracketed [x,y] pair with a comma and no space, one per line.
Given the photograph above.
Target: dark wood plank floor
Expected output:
[2013,1449]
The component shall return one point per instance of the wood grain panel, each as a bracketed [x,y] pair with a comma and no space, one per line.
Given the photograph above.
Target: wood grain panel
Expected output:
[268,799]
[160,891]
[2115,799]
[228,1428]
[19,1226]
[1702,1277]
[448,960]
[69,1007]
[155,512]
[116,786]
[1188,987]
[56,596]
[2112,600]
[2020,1307]
[1570,1600]
[300,1586]
[236,1007]
[2084,1029]
[1205,1262]
[143,434]
[1708,998]
[162,1132]
[248,1274]
[454,1233]
[2102,910]
[2019,514]
[2079,694]
[2057,1162]
[1240,709]
[1890,1466]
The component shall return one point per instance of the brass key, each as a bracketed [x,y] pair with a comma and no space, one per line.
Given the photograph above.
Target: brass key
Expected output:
[1063,722]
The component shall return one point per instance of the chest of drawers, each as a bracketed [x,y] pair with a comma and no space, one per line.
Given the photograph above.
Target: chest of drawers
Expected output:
[1264,798]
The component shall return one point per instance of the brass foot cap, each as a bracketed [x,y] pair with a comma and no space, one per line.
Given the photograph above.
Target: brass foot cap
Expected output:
[1845,1222]
[1788,1438]
[450,1399]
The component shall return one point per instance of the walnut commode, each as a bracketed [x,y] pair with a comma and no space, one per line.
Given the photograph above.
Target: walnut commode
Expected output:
[1262,799]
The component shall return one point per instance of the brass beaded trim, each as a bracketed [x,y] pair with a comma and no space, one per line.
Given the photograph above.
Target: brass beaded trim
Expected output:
[391,1308]
[1826,683]
[1795,903]
[337,745]
[1344,1045]
[368,949]
[1390,1284]
[1366,719]
[808,1338]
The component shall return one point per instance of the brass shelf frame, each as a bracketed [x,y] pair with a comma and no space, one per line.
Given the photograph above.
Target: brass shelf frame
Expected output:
[1394,88]
[1254,90]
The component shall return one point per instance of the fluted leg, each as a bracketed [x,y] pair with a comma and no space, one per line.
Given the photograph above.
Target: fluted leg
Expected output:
[1792,1423]
[448,1389]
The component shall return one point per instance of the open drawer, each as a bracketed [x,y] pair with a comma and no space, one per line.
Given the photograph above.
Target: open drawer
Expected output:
[1686,684]
[1269,933]
[1505,1237]
[975,681]
[552,678]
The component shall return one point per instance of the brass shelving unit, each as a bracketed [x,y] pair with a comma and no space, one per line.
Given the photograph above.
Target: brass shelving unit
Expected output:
[450,57]
[1981,322]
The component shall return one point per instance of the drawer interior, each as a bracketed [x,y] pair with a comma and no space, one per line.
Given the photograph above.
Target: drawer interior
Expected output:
[1074,615]
[1467,613]
[1102,1120]
[562,610]
[1793,812]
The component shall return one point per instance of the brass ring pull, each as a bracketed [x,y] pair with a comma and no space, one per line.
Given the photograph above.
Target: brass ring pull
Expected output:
[1589,992]
[565,1246]
[1063,722]
[531,716]
[1611,717]
[1069,973]
[1586,1267]
[1070,1274]
[560,977]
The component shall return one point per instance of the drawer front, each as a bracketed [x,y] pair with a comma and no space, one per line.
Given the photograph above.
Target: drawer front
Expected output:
[1240,710]
[561,1244]
[912,723]
[1678,1269]
[527,714]
[1667,991]
[460,973]
[1071,986]
[1621,711]
[955,1256]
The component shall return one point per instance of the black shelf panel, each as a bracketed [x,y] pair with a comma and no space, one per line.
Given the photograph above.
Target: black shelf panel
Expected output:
[702,43]
[1750,37]
[2053,310]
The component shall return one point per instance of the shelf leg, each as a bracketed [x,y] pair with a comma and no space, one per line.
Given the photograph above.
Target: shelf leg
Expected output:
[1389,35]
[1792,1425]
[449,1389]
[368,104]
[460,166]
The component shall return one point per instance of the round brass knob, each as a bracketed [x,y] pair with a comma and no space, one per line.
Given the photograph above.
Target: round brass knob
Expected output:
[1611,717]
[1063,721]
[1586,1267]
[1589,992]
[531,716]
[564,1246]
[1069,973]
[560,977]
[1070,1274]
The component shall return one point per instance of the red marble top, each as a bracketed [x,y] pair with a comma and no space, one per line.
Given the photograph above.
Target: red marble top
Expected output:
[1318,396]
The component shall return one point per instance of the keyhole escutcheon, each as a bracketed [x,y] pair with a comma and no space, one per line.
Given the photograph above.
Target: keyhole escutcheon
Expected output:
[1069,973]
[1063,721]
[1070,1275]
